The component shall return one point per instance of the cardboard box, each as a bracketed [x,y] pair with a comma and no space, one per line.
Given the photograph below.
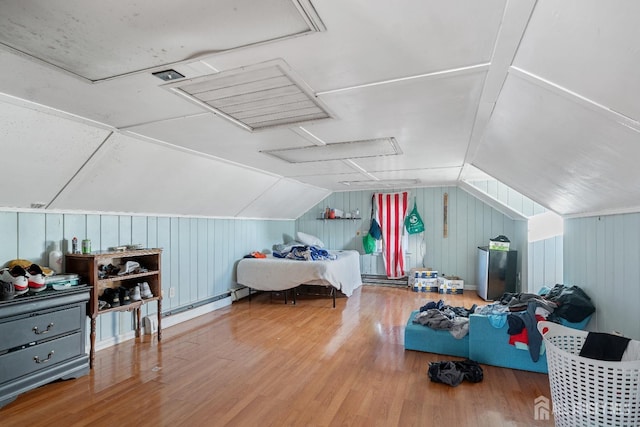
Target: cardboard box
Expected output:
[500,243]
[498,246]
[423,273]
[425,285]
[451,285]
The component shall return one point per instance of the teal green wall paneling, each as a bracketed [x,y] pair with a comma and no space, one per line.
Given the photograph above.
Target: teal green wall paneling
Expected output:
[471,224]
[31,232]
[602,256]
[9,234]
[198,260]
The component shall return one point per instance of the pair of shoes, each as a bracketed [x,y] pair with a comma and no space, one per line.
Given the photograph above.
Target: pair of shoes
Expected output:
[7,291]
[102,304]
[16,275]
[134,293]
[35,277]
[145,290]
[124,295]
[111,296]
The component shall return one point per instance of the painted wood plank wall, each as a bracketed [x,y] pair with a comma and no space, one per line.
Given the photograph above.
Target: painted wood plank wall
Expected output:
[471,224]
[544,258]
[602,256]
[198,260]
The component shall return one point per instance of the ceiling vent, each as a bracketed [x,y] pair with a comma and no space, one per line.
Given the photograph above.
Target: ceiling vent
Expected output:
[254,98]
[339,151]
[382,183]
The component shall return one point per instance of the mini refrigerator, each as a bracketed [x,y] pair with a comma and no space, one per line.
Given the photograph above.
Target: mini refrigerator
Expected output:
[497,272]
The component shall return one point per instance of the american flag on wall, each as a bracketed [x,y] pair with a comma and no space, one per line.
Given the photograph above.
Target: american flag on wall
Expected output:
[391,210]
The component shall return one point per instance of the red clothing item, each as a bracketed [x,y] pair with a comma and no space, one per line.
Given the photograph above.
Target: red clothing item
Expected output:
[523,336]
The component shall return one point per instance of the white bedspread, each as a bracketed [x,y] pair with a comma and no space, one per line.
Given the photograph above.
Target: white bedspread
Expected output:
[278,274]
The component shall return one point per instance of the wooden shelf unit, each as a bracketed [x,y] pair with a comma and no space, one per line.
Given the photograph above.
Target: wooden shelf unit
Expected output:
[88,266]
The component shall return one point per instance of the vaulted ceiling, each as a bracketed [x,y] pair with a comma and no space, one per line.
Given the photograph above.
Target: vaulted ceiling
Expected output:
[278,103]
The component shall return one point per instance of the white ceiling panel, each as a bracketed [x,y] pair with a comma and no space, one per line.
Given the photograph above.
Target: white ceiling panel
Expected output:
[562,128]
[431,119]
[369,41]
[567,157]
[41,152]
[98,40]
[130,175]
[589,47]
[285,199]
[208,134]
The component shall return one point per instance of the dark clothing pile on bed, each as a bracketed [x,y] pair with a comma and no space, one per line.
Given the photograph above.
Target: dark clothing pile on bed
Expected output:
[305,253]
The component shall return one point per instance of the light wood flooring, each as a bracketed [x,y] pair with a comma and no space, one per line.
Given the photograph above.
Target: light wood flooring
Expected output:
[264,363]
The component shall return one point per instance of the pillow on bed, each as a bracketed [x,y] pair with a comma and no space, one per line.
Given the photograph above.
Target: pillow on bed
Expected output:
[309,240]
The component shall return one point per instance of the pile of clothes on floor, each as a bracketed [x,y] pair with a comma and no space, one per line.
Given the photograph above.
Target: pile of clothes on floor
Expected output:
[437,315]
[453,372]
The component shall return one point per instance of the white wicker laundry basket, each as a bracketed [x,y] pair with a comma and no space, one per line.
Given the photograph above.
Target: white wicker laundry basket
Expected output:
[588,392]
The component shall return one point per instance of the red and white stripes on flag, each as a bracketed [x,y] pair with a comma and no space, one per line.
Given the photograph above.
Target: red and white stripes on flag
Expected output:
[391,210]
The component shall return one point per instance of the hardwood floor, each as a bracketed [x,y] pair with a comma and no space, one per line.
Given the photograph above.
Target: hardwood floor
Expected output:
[264,363]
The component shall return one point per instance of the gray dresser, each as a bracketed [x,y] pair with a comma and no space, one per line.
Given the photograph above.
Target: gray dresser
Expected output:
[42,339]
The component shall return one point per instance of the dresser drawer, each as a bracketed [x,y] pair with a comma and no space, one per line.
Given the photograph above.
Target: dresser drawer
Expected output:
[43,326]
[41,356]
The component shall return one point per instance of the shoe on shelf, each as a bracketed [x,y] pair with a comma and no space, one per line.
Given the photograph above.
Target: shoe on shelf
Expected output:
[111,297]
[112,270]
[7,291]
[145,290]
[124,296]
[103,305]
[129,267]
[35,276]
[18,276]
[134,293]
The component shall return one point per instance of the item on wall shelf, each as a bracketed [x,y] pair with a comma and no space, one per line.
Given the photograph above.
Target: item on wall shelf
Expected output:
[74,246]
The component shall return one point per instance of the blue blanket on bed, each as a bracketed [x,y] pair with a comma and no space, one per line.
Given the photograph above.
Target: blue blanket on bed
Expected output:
[306,253]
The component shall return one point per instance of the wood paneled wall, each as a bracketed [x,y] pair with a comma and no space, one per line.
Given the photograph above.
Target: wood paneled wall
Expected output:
[471,224]
[602,256]
[198,260]
[544,258]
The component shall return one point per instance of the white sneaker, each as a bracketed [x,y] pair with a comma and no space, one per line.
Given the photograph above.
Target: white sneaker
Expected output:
[134,293]
[18,276]
[35,277]
[145,290]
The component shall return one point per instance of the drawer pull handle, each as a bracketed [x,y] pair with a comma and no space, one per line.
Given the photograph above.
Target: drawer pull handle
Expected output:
[35,329]
[37,359]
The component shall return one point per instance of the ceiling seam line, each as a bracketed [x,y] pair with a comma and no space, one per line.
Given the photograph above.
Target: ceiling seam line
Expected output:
[453,71]
[64,187]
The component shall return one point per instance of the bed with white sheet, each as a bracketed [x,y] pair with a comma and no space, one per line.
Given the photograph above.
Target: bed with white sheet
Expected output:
[280,274]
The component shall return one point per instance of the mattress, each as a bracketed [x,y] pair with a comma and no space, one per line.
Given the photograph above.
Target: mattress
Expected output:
[278,274]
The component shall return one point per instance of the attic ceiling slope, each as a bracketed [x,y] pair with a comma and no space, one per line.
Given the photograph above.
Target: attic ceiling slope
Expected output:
[131,175]
[98,41]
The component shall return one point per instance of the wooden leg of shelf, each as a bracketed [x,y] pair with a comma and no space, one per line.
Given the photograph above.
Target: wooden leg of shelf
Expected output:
[138,322]
[92,337]
[159,319]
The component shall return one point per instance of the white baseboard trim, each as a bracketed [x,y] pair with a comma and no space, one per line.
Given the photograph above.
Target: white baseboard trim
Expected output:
[237,293]
[183,316]
[167,322]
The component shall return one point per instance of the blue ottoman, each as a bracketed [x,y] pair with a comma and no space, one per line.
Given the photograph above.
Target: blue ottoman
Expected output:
[422,338]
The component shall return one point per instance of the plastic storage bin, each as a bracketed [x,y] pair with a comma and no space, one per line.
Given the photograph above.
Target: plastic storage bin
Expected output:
[588,392]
